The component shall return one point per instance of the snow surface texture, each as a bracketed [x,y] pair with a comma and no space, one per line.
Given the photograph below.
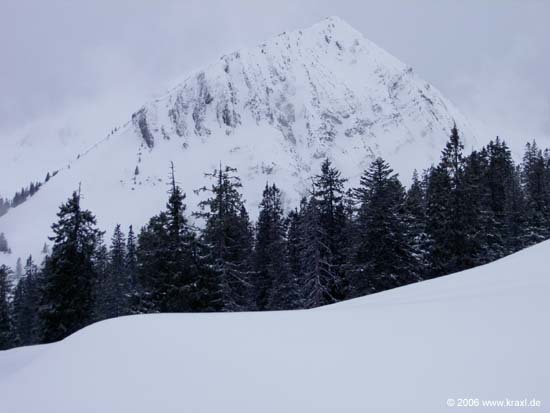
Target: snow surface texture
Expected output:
[273,111]
[481,334]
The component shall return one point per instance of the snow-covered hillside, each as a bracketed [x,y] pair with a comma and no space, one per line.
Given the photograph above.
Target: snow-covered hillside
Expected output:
[273,111]
[480,334]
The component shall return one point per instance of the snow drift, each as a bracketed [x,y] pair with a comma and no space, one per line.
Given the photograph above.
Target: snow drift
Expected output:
[480,334]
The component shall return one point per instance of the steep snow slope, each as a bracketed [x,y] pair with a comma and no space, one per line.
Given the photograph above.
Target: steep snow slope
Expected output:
[273,111]
[480,334]
[51,143]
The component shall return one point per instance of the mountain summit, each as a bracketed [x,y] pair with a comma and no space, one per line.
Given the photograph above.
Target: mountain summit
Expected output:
[273,111]
[323,91]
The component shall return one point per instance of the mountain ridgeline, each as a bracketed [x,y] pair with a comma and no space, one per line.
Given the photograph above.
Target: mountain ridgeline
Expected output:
[274,112]
[467,210]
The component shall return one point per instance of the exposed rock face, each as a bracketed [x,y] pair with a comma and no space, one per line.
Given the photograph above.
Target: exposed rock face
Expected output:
[320,88]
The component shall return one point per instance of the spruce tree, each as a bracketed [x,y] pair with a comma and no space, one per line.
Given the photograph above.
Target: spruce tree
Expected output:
[132,271]
[67,300]
[329,193]
[101,298]
[536,187]
[448,212]
[152,241]
[294,245]
[415,217]
[167,266]
[317,268]
[118,273]
[515,217]
[6,327]
[383,256]
[181,266]
[483,236]
[228,240]
[273,280]
[25,305]
[504,199]
[112,290]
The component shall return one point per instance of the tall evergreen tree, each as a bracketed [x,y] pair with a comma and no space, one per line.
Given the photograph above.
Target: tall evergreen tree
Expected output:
[328,191]
[415,216]
[448,212]
[536,186]
[516,234]
[6,326]
[166,262]
[151,267]
[273,279]
[439,209]
[113,288]
[504,194]
[228,240]
[67,300]
[482,236]
[101,295]
[132,271]
[25,305]
[294,245]
[317,268]
[383,256]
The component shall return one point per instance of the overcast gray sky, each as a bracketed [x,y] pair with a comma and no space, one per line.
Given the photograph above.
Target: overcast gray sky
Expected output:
[490,57]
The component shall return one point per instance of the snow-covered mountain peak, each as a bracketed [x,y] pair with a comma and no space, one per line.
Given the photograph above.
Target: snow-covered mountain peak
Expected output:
[273,111]
[315,86]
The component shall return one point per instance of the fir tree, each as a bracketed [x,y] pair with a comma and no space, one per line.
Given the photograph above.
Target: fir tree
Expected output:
[448,212]
[101,295]
[67,301]
[181,267]
[294,245]
[516,234]
[504,197]
[383,256]
[152,240]
[113,291]
[6,327]
[132,271]
[316,262]
[273,278]
[536,187]
[482,235]
[227,238]
[415,216]
[439,207]
[25,305]
[167,266]
[328,191]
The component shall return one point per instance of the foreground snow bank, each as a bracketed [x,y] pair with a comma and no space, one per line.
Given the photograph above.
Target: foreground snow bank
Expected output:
[480,334]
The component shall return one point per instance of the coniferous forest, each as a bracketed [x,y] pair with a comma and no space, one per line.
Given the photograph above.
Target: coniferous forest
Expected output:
[468,210]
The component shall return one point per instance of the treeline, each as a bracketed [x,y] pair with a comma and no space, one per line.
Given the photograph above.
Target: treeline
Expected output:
[22,195]
[338,244]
